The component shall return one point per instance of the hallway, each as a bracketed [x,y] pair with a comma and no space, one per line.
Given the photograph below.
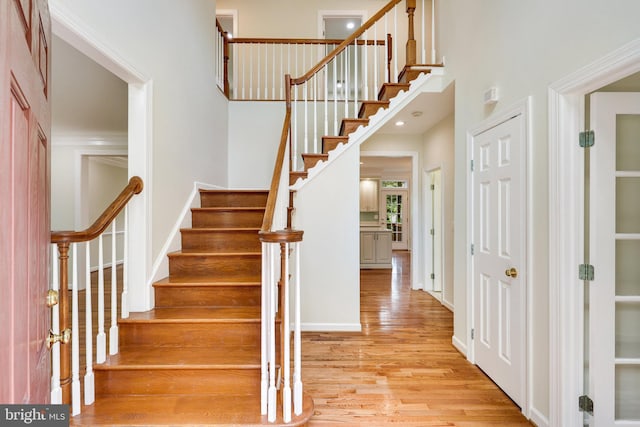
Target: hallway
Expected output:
[402,369]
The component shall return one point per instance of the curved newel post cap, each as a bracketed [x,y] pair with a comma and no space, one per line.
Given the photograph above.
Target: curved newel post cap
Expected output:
[137,185]
[287,235]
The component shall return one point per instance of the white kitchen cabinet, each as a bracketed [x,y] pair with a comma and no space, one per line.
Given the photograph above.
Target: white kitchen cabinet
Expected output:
[369,190]
[375,249]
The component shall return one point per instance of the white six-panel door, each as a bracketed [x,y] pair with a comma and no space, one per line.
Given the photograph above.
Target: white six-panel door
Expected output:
[499,232]
[614,339]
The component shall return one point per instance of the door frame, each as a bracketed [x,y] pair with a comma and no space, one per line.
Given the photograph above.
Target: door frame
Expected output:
[523,108]
[428,219]
[566,226]
[66,25]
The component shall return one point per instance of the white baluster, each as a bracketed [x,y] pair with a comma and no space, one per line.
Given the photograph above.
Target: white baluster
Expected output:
[297,338]
[295,127]
[271,409]
[89,380]
[355,78]
[235,48]
[433,31]
[286,390]
[113,330]
[101,339]
[273,76]
[56,390]
[76,402]
[326,99]
[335,96]
[244,62]
[264,315]
[306,118]
[251,71]
[124,303]
[387,77]
[315,114]
[375,59]
[395,44]
[365,68]
[346,84]
[266,71]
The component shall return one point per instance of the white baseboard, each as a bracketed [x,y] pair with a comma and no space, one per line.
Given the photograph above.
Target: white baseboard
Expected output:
[459,345]
[538,419]
[448,305]
[331,327]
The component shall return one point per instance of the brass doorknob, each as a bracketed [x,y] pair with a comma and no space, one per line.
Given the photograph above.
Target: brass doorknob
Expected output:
[64,337]
[511,272]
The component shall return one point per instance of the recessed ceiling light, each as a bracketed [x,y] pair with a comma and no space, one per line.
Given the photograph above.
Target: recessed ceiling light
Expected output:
[399,123]
[350,25]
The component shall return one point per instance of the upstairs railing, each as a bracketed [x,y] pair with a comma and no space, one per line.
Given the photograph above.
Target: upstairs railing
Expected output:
[319,88]
[64,338]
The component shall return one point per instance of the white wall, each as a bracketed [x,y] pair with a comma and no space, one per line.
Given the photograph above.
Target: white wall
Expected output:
[327,211]
[439,153]
[254,136]
[189,114]
[521,47]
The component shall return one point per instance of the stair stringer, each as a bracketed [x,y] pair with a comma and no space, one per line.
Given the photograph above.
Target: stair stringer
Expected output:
[435,81]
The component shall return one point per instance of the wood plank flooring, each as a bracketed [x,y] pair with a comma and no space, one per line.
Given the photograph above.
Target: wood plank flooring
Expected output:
[402,368]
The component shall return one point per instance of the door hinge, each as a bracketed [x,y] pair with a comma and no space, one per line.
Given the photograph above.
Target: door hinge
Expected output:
[473,333]
[585,404]
[433,276]
[432,232]
[587,138]
[472,249]
[472,165]
[433,187]
[585,272]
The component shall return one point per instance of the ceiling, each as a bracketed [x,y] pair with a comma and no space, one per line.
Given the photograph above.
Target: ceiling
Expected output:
[424,112]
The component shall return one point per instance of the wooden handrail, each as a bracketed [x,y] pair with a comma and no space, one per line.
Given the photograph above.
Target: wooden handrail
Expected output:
[349,40]
[64,239]
[263,40]
[269,212]
[134,186]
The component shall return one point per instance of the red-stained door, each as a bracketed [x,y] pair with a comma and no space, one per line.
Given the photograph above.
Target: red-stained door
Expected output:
[24,200]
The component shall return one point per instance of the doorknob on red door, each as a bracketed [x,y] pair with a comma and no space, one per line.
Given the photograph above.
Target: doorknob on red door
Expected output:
[511,272]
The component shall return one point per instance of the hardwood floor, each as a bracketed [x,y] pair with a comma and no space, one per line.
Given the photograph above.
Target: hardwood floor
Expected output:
[402,368]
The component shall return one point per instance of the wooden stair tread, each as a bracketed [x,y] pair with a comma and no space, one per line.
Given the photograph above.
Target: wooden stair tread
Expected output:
[228,208]
[200,252]
[196,315]
[186,281]
[182,410]
[181,358]
[218,230]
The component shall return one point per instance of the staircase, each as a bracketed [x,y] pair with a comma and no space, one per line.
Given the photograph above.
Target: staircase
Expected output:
[387,92]
[195,358]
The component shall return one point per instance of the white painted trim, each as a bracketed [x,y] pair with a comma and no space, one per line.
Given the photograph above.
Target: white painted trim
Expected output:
[520,108]
[448,306]
[459,345]
[160,268]
[102,139]
[566,225]
[70,28]
[331,327]
[538,418]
